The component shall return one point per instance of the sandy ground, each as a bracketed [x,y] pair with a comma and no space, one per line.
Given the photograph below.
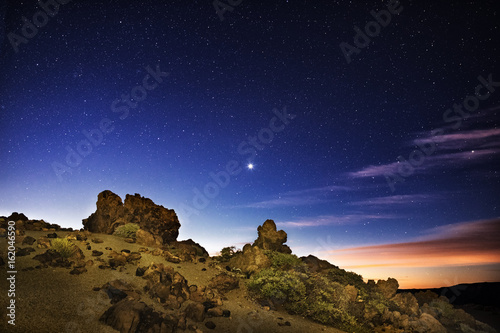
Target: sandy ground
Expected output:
[51,300]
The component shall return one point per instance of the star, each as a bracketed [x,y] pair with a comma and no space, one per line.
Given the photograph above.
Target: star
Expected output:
[249,166]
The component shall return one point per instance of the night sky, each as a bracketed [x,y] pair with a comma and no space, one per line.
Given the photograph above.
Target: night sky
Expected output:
[373,145]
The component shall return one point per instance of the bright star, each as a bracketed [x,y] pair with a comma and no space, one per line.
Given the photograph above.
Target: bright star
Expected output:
[250,166]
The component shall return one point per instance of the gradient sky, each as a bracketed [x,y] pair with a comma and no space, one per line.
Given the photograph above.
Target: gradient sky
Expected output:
[383,159]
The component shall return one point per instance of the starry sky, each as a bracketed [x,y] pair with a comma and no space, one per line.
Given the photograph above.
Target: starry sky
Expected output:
[369,131]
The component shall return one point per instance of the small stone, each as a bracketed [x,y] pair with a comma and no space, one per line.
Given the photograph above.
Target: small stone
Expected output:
[125,250]
[210,325]
[203,269]
[202,260]
[53,235]
[96,253]
[266,308]
[226,313]
[78,271]
[97,240]
[108,248]
[29,240]
[129,240]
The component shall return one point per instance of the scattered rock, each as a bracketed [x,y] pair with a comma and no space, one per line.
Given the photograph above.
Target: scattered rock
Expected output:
[224,282]
[53,235]
[53,258]
[427,323]
[43,243]
[97,240]
[28,240]
[96,253]
[214,312]
[226,313]
[195,311]
[21,252]
[78,270]
[210,325]
[171,258]
[129,240]
[130,315]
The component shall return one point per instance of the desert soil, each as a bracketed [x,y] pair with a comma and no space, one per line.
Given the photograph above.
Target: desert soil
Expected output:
[51,300]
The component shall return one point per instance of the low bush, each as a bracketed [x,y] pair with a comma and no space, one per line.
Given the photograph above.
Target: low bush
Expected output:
[284,261]
[63,246]
[127,230]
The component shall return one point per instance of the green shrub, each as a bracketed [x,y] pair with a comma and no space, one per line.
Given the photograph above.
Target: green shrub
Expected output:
[64,246]
[344,278]
[313,296]
[227,253]
[284,261]
[278,286]
[127,230]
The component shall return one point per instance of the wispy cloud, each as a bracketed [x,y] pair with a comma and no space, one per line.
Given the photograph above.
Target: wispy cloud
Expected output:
[333,220]
[467,243]
[303,197]
[463,140]
[453,150]
[397,200]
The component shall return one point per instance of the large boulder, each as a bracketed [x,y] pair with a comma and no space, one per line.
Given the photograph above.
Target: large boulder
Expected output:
[388,288]
[130,315]
[271,239]
[252,259]
[427,324]
[157,220]
[315,264]
[109,213]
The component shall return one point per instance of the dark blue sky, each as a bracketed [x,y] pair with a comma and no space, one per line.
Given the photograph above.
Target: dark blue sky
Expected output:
[322,176]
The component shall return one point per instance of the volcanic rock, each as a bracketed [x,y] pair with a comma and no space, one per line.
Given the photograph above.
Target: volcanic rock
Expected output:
[154,219]
[21,252]
[271,239]
[195,311]
[130,315]
[29,240]
[224,282]
[388,288]
[315,264]
[250,260]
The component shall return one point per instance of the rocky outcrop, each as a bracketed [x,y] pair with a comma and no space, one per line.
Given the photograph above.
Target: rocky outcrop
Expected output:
[23,224]
[271,239]
[315,264]
[252,259]
[108,216]
[388,288]
[158,221]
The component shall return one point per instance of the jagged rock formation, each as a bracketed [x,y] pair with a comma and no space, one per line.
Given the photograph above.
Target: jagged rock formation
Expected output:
[271,239]
[160,222]
[23,224]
